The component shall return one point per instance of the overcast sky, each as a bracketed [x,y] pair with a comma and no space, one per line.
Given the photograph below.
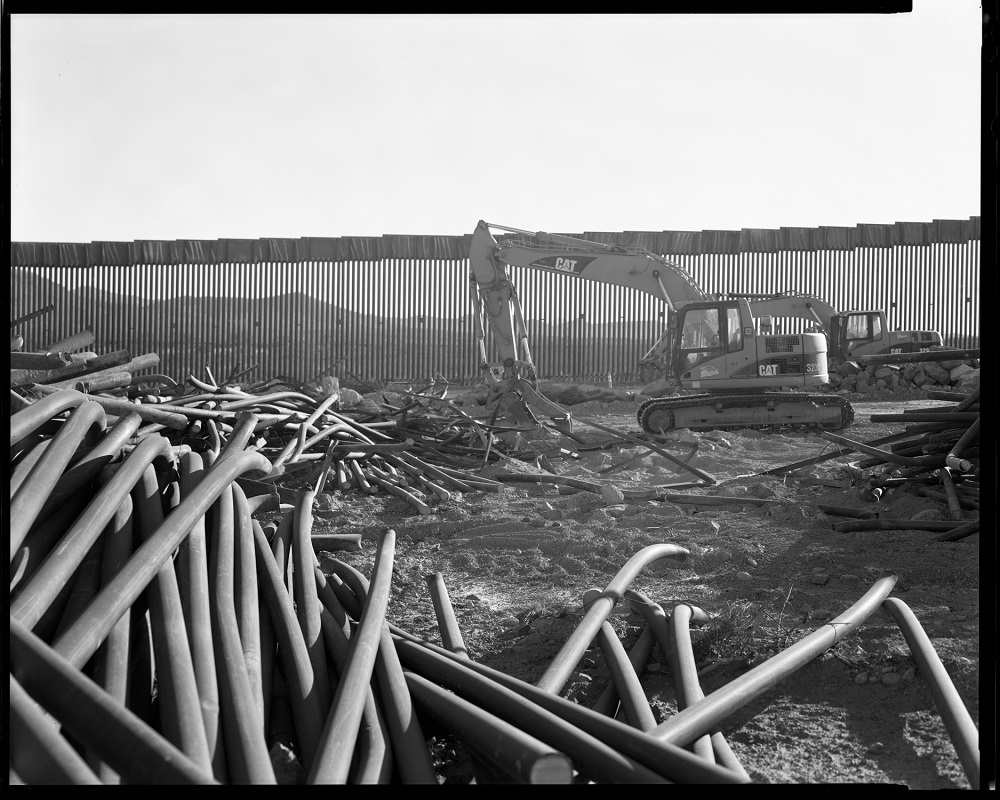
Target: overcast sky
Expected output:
[154,126]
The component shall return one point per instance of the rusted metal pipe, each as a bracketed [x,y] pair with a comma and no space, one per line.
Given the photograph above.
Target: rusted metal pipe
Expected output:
[78,643]
[85,468]
[960,532]
[306,712]
[494,740]
[409,745]
[247,597]
[132,748]
[685,674]
[949,417]
[307,605]
[884,455]
[179,706]
[690,691]
[119,408]
[569,655]
[707,479]
[38,751]
[26,505]
[602,748]
[638,656]
[373,760]
[633,699]
[111,661]
[896,525]
[954,458]
[29,419]
[45,584]
[954,505]
[686,726]
[340,734]
[451,634]
[191,565]
[245,741]
[961,727]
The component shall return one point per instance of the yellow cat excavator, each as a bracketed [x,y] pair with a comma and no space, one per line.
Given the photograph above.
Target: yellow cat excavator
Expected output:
[733,370]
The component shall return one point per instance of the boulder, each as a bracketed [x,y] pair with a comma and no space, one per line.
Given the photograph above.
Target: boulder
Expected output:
[958,371]
[847,368]
[936,372]
[349,398]
[968,382]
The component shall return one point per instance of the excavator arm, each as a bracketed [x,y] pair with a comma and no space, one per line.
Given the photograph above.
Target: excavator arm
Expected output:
[512,392]
[795,305]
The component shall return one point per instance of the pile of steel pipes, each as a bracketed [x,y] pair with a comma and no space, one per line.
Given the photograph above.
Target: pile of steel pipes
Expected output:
[159,634]
[67,364]
[935,456]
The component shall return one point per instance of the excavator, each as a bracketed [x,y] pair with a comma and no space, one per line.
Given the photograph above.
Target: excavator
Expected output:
[850,335]
[733,370]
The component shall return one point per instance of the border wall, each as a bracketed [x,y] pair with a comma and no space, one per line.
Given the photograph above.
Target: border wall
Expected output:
[377,310]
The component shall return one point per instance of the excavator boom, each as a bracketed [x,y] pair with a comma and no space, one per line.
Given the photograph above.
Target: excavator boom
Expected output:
[715,347]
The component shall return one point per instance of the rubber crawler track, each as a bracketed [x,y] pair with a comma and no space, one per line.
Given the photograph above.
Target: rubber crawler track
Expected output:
[744,399]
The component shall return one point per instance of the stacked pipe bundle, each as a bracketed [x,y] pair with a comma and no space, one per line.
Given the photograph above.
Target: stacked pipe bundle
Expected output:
[69,364]
[167,637]
[935,456]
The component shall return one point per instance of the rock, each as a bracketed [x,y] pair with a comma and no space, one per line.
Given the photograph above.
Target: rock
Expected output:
[744,576]
[612,495]
[936,372]
[909,370]
[891,679]
[919,377]
[821,613]
[886,372]
[910,674]
[761,490]
[350,398]
[848,368]
[861,678]
[685,435]
[820,580]
[653,667]
[968,381]
[876,748]
[929,513]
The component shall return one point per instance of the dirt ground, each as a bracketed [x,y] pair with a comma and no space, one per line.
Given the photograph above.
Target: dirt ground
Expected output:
[516,564]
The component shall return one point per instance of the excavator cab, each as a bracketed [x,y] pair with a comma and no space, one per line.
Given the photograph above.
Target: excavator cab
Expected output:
[866,333]
[716,347]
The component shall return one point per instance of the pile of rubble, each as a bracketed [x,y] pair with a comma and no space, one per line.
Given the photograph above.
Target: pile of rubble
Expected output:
[934,370]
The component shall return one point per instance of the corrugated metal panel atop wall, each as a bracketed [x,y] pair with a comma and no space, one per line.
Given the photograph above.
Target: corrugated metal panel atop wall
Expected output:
[375,248]
[397,308]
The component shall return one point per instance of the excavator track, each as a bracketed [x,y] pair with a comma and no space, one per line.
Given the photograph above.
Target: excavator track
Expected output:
[735,410]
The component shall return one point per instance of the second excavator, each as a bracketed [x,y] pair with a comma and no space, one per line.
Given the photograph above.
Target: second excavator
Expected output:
[732,375]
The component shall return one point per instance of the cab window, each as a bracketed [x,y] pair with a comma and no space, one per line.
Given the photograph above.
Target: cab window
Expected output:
[701,329]
[699,336]
[734,330]
[857,327]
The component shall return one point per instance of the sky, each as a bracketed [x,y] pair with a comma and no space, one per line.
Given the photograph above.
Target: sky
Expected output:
[160,126]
